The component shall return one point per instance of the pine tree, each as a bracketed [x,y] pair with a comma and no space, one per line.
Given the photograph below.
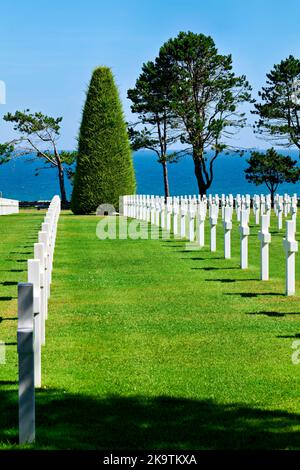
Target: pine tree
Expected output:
[104,163]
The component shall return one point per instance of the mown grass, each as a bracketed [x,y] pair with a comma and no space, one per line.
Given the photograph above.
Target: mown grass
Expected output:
[151,344]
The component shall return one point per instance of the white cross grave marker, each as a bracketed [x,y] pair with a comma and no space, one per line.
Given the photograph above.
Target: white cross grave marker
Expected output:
[291,247]
[265,239]
[244,231]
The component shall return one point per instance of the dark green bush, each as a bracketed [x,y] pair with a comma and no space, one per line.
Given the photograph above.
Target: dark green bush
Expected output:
[104,164]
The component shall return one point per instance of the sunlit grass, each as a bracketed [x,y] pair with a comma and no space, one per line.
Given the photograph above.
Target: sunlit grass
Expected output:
[152,344]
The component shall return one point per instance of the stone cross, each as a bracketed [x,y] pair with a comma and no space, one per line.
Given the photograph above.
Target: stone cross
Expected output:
[46,228]
[169,212]
[39,254]
[132,206]
[140,206]
[213,220]
[262,204]
[245,232]
[183,212]
[279,214]
[256,208]
[285,205]
[152,210]
[294,213]
[44,238]
[175,216]
[223,205]
[26,364]
[157,210]
[192,215]
[291,247]
[162,213]
[137,206]
[276,204]
[238,203]
[248,204]
[243,203]
[148,208]
[201,224]
[265,239]
[217,201]
[144,208]
[268,207]
[35,280]
[227,224]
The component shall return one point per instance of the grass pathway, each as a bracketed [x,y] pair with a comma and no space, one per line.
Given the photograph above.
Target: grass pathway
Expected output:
[152,345]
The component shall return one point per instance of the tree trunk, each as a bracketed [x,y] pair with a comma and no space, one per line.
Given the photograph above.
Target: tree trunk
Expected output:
[272,191]
[202,186]
[61,182]
[166,180]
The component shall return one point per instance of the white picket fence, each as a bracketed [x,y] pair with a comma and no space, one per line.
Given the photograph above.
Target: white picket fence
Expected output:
[32,314]
[190,213]
[8,206]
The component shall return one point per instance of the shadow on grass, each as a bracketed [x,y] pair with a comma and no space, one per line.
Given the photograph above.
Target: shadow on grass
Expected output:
[8,319]
[9,283]
[212,268]
[188,251]
[229,280]
[254,294]
[8,382]
[67,421]
[268,314]
[174,240]
[17,260]
[211,258]
[12,270]
[273,313]
[6,298]
[296,335]
[199,258]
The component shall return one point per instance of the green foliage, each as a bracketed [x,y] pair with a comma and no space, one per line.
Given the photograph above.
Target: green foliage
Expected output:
[189,94]
[39,133]
[6,151]
[205,95]
[104,164]
[30,124]
[272,169]
[150,100]
[279,109]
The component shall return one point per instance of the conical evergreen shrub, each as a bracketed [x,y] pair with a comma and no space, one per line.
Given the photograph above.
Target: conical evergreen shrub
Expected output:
[104,165]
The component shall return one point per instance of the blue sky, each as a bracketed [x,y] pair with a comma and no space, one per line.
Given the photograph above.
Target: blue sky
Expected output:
[49,47]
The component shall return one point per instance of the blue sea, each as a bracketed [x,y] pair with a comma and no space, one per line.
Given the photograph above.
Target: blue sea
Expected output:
[18,180]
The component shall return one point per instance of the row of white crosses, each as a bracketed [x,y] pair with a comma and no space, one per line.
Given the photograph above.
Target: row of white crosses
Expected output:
[284,206]
[32,314]
[175,211]
[8,206]
[156,210]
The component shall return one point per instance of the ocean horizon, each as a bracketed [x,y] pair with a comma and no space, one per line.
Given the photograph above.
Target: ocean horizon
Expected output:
[18,180]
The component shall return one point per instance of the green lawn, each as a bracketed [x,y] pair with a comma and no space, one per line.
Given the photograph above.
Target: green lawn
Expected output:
[152,345]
